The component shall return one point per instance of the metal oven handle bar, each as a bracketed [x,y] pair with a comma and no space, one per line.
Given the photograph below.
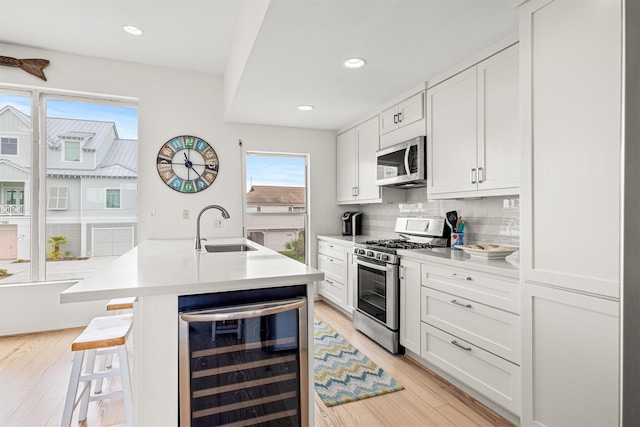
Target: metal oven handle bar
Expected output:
[384,267]
[243,312]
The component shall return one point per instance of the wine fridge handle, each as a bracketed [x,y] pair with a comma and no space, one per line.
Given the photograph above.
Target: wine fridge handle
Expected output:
[243,312]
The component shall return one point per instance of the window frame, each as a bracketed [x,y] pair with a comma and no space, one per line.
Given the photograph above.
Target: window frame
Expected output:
[17,153]
[64,151]
[38,155]
[106,197]
[58,198]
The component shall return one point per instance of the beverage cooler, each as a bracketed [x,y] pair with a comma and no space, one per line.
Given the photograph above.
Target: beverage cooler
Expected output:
[244,364]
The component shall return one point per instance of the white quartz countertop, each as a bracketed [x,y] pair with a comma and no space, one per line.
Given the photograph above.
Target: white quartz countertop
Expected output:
[346,240]
[174,267]
[509,266]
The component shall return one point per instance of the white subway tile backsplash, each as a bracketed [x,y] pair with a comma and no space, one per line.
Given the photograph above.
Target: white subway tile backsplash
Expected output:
[487,220]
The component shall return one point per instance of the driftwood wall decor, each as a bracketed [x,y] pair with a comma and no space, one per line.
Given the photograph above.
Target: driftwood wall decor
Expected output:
[31,66]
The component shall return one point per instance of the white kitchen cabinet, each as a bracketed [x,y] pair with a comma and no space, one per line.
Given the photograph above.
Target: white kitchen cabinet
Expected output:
[356,167]
[410,305]
[570,359]
[471,329]
[402,114]
[336,261]
[332,261]
[571,135]
[473,134]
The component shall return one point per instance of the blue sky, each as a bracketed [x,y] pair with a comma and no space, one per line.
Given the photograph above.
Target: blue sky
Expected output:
[268,170]
[126,118]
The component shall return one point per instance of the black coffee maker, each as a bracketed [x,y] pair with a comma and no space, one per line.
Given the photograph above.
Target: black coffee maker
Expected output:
[351,224]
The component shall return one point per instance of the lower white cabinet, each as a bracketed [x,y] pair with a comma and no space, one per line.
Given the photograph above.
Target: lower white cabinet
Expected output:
[494,377]
[470,328]
[334,260]
[570,358]
[410,305]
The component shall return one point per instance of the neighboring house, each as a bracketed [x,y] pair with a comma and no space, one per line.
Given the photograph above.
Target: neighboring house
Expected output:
[269,215]
[91,186]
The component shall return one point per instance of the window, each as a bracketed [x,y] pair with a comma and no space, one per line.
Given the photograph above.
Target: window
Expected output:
[58,198]
[70,192]
[72,151]
[9,146]
[112,198]
[276,200]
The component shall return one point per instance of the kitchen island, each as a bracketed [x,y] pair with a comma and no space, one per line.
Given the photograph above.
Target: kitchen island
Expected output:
[157,272]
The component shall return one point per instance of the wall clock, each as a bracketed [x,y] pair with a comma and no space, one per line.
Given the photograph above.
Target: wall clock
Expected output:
[187,164]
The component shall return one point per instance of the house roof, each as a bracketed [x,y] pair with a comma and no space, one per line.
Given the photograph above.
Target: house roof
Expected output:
[120,161]
[92,132]
[275,195]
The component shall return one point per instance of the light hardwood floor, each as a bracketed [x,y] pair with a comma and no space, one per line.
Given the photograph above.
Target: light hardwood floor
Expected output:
[35,368]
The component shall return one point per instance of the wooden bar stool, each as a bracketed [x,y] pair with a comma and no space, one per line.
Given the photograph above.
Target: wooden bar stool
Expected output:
[117,306]
[104,335]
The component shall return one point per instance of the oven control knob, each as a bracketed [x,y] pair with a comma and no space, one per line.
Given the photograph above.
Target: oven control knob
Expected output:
[360,251]
[378,256]
[384,257]
[370,253]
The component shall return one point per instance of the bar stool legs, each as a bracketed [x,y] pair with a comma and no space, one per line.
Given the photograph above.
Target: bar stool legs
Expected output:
[104,335]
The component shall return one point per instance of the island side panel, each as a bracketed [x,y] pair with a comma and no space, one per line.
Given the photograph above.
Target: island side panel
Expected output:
[311,349]
[155,361]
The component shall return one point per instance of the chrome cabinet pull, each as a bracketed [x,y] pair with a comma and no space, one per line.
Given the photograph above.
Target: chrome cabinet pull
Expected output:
[329,281]
[399,117]
[480,175]
[454,342]
[473,177]
[453,301]
[457,276]
[395,118]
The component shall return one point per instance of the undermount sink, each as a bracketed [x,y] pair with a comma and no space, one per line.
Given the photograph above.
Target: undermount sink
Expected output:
[240,247]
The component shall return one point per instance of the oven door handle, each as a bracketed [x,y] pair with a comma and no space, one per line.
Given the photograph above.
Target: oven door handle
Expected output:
[243,312]
[386,267]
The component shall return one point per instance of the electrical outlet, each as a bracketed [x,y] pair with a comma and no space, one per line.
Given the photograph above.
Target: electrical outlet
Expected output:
[217,223]
[185,213]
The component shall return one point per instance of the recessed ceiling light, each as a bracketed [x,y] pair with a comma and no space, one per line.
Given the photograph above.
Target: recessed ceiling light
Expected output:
[131,29]
[355,63]
[305,107]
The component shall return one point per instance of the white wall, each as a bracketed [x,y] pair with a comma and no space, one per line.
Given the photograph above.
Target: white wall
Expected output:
[172,102]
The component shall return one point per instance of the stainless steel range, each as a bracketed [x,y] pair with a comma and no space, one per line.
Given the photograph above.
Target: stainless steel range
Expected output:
[378,287]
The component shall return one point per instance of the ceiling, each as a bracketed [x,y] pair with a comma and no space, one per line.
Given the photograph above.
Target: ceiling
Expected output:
[279,53]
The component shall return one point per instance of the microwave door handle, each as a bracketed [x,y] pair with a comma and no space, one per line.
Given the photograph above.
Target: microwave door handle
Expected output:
[406,161]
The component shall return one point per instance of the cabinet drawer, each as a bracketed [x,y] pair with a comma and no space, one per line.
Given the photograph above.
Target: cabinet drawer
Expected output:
[487,373]
[493,290]
[494,330]
[334,291]
[329,249]
[333,267]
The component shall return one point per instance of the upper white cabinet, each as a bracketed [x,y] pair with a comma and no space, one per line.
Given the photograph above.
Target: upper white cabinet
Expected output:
[571,144]
[402,114]
[473,134]
[356,166]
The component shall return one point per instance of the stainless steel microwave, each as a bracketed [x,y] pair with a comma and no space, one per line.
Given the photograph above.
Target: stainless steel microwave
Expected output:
[403,165]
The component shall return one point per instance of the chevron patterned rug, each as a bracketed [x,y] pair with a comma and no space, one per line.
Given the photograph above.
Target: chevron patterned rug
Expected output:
[342,373]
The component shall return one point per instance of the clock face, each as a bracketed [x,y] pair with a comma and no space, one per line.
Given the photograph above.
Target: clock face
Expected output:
[187,164]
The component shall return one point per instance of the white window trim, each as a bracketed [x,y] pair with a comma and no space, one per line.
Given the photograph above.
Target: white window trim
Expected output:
[58,199]
[64,152]
[17,146]
[106,190]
